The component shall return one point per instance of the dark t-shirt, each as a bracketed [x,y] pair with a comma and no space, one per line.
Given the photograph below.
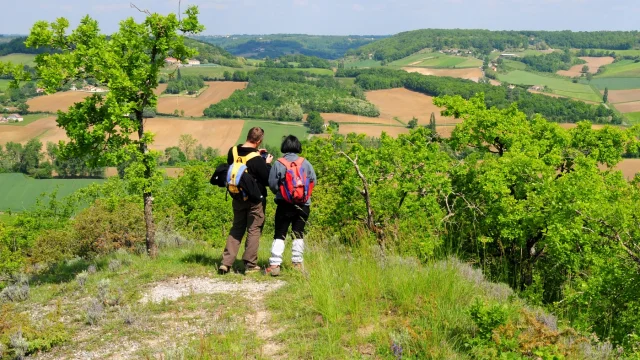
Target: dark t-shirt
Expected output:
[258,167]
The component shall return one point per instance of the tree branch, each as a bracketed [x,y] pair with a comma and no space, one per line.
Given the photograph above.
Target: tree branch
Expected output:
[365,192]
[145,11]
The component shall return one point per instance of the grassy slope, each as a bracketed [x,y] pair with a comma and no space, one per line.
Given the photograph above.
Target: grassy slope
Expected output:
[347,304]
[26,59]
[633,118]
[624,68]
[362,64]
[20,192]
[558,85]
[28,119]
[437,60]
[4,84]
[274,131]
[211,71]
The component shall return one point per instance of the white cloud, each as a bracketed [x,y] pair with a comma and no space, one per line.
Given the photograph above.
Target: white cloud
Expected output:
[357,7]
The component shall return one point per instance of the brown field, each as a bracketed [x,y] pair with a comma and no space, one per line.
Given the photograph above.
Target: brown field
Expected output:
[594,63]
[594,126]
[160,89]
[629,168]
[348,118]
[628,107]
[58,101]
[219,134]
[405,104]
[373,130]
[445,131]
[619,96]
[495,82]
[474,74]
[170,172]
[194,106]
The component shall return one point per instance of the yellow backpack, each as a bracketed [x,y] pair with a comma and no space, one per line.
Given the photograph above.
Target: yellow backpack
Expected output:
[237,183]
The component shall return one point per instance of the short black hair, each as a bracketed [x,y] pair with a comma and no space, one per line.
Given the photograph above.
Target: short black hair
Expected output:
[291,144]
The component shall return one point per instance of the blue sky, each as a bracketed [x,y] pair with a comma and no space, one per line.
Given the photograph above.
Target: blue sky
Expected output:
[343,17]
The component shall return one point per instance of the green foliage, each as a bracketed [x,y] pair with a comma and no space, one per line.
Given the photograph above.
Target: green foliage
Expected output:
[189,83]
[315,122]
[286,95]
[27,159]
[413,123]
[302,61]
[551,62]
[212,54]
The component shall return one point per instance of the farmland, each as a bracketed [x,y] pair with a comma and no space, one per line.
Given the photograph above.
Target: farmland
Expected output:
[373,130]
[474,74]
[25,59]
[273,132]
[361,64]
[616,83]
[28,119]
[219,134]
[624,68]
[406,104]
[194,106]
[594,64]
[21,192]
[633,118]
[58,101]
[211,71]
[45,129]
[620,96]
[558,85]
[437,60]
[4,84]
[628,107]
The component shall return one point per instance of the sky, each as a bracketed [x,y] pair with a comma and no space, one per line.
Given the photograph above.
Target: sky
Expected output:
[341,17]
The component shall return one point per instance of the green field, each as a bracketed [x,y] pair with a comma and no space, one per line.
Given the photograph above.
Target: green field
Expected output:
[514,65]
[624,68]
[20,192]
[557,85]
[633,118]
[346,81]
[25,59]
[616,83]
[327,72]
[211,71]
[437,60]
[633,52]
[28,119]
[362,64]
[274,131]
[4,84]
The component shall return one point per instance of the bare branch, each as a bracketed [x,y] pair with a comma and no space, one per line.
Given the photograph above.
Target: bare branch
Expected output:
[145,11]
[365,192]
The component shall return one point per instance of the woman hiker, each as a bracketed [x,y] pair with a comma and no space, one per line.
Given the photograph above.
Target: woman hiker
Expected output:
[291,179]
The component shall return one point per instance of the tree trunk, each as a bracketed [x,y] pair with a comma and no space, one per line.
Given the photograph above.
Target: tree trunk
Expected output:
[152,247]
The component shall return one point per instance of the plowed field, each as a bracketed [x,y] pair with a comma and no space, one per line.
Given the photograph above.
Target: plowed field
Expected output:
[373,130]
[594,63]
[628,107]
[58,101]
[474,74]
[620,96]
[194,106]
[405,104]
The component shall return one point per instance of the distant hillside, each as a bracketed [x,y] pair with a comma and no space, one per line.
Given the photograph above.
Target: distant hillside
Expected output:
[407,43]
[16,46]
[273,46]
[212,54]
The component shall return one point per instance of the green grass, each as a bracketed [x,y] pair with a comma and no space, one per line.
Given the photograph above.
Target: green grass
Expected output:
[4,84]
[362,64]
[624,68]
[632,52]
[315,71]
[437,60]
[556,84]
[347,81]
[28,119]
[515,65]
[211,71]
[274,131]
[632,118]
[25,59]
[616,83]
[20,192]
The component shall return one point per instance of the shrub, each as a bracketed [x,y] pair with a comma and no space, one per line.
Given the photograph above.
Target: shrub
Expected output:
[55,245]
[81,278]
[104,228]
[19,345]
[17,291]
[114,265]
[94,312]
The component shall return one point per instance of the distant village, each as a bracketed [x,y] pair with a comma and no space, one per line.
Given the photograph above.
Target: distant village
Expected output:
[174,61]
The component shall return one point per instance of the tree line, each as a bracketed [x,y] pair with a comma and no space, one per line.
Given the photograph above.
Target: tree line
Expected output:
[287,95]
[554,109]
[212,54]
[551,63]
[189,83]
[485,41]
[304,61]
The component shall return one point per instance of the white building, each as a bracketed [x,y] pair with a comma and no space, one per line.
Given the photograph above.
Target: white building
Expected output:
[15,118]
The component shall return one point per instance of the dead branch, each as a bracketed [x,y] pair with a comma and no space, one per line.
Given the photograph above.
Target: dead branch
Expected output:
[365,192]
[145,11]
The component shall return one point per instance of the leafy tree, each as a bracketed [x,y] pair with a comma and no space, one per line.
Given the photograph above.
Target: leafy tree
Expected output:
[585,69]
[128,62]
[23,108]
[187,144]
[413,123]
[432,122]
[605,97]
[316,122]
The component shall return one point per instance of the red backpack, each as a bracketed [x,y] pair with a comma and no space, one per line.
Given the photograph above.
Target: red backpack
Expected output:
[295,188]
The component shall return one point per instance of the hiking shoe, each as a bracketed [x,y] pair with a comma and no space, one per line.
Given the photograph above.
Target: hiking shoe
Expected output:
[252,269]
[273,270]
[298,266]
[223,270]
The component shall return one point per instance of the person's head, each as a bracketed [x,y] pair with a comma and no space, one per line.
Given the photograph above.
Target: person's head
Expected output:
[291,144]
[255,136]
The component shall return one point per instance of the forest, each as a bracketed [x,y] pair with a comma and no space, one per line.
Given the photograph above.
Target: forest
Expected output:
[287,95]
[17,46]
[190,84]
[303,61]
[485,41]
[554,109]
[212,54]
[550,63]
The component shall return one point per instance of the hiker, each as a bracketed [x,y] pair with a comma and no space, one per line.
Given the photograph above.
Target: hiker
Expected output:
[249,203]
[291,179]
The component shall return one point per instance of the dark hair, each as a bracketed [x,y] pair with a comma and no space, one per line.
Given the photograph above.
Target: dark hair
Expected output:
[255,135]
[291,144]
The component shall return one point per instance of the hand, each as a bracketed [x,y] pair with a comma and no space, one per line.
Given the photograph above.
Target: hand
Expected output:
[262,151]
[269,159]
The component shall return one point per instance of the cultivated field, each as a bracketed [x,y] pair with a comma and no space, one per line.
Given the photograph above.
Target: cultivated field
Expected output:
[25,59]
[437,60]
[558,85]
[356,119]
[4,84]
[160,89]
[219,134]
[361,64]
[210,71]
[594,64]
[373,130]
[629,167]
[45,129]
[58,101]
[620,96]
[561,96]
[633,118]
[624,68]
[194,106]
[20,192]
[474,74]
[616,83]
[405,104]
[273,132]
[628,107]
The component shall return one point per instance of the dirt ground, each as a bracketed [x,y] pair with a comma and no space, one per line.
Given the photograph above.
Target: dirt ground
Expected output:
[620,96]
[405,104]
[628,107]
[58,101]
[474,74]
[347,118]
[373,130]
[495,82]
[219,134]
[594,63]
[559,96]
[160,89]
[194,106]
[629,168]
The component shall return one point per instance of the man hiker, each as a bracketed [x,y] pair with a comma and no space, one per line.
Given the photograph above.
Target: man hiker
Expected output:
[248,208]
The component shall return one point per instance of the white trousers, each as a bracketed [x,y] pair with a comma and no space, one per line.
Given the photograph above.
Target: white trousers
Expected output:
[277,249]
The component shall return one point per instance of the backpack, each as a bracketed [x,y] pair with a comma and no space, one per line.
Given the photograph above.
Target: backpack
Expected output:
[295,188]
[240,184]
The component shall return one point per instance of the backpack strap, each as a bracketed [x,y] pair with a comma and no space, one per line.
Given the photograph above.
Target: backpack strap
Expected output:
[243,159]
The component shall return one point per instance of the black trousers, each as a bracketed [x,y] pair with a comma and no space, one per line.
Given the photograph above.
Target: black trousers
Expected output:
[289,215]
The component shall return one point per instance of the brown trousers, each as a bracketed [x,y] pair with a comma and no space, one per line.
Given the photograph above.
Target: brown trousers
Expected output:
[249,218]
